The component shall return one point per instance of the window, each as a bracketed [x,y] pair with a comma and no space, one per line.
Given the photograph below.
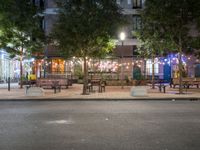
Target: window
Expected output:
[128,2]
[118,2]
[42,4]
[136,22]
[135,52]
[42,23]
[137,3]
[149,67]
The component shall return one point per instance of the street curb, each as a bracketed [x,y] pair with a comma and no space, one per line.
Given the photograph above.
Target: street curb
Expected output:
[104,99]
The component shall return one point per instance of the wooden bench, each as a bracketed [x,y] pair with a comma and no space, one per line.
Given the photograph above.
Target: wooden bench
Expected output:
[48,83]
[186,82]
[45,83]
[63,83]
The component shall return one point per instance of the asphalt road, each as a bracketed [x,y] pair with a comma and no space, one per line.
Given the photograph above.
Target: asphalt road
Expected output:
[105,125]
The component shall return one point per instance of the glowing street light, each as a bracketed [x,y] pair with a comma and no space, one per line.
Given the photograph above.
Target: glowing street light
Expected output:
[122,38]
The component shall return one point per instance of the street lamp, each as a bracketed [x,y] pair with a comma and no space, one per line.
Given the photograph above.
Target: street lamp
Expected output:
[122,38]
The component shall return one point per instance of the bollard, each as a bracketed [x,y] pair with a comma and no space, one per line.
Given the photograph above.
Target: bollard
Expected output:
[8,83]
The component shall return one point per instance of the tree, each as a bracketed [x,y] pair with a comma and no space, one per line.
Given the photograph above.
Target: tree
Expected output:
[173,22]
[84,29]
[151,45]
[21,32]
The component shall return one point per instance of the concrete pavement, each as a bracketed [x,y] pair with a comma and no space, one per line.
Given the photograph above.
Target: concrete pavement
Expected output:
[112,93]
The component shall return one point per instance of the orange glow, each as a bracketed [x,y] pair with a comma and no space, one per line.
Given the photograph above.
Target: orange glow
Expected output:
[58,65]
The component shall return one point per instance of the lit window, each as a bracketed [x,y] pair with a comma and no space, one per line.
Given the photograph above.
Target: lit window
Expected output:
[137,3]
[149,67]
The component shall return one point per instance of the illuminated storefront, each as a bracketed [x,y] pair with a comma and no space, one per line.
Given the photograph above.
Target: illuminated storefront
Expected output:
[11,67]
[8,67]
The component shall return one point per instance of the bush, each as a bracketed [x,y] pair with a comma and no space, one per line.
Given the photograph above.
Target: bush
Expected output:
[78,72]
[137,75]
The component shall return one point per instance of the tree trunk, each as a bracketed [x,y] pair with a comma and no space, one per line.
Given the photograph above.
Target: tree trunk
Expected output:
[180,71]
[145,69]
[180,66]
[85,81]
[153,73]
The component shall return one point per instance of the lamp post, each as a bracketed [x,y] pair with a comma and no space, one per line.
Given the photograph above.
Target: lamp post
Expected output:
[122,38]
[9,76]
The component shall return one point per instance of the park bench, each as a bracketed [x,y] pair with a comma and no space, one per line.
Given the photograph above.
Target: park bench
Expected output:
[49,83]
[186,82]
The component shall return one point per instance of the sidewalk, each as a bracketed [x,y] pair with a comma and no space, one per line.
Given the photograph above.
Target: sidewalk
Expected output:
[112,93]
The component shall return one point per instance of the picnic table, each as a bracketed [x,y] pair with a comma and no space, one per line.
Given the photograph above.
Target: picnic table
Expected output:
[98,83]
[56,86]
[161,86]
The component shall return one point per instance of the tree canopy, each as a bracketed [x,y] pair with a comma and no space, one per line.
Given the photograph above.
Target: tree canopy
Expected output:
[176,22]
[173,25]
[85,28]
[20,29]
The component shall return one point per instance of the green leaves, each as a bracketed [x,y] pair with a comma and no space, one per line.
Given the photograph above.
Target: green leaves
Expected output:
[167,24]
[20,27]
[85,28]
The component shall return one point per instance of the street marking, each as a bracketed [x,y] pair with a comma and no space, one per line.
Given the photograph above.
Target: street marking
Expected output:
[60,122]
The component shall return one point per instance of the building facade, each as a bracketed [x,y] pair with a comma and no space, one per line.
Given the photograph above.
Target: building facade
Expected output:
[131,9]
[126,57]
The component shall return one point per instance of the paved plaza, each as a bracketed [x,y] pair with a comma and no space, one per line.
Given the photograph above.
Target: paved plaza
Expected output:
[111,93]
